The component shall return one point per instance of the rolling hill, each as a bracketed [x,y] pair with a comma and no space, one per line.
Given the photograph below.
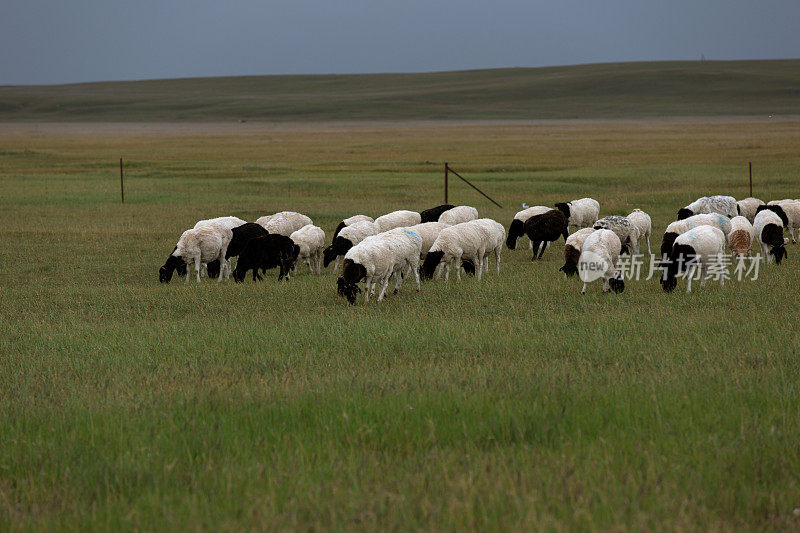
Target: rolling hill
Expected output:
[613,90]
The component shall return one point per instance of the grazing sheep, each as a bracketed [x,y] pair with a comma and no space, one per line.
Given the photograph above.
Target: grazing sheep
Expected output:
[375,259]
[433,214]
[699,247]
[267,251]
[625,229]
[740,236]
[517,227]
[494,235]
[747,207]
[682,226]
[398,219]
[241,236]
[581,213]
[792,210]
[724,205]
[196,246]
[350,221]
[599,255]
[311,240]
[643,224]
[225,222]
[348,237]
[457,215]
[284,223]
[466,240]
[545,228]
[768,228]
[572,250]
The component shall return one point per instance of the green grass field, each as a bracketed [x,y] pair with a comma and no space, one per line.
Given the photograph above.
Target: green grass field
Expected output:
[612,90]
[514,403]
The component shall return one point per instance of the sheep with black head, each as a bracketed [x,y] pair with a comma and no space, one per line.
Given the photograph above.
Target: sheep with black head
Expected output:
[698,248]
[376,259]
[724,205]
[572,251]
[768,229]
[599,256]
[580,213]
[348,237]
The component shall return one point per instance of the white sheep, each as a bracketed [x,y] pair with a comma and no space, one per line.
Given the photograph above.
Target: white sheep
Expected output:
[643,224]
[682,226]
[398,219]
[494,235]
[311,240]
[740,236]
[724,205]
[792,210]
[580,213]
[284,223]
[226,222]
[467,240]
[517,227]
[701,247]
[747,207]
[203,245]
[572,250]
[349,221]
[375,259]
[459,214]
[627,232]
[599,256]
[768,229]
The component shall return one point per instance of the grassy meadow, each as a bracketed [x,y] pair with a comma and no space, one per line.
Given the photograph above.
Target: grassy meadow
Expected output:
[513,403]
[606,90]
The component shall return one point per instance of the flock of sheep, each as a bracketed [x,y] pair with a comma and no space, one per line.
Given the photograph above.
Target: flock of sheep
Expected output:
[444,238]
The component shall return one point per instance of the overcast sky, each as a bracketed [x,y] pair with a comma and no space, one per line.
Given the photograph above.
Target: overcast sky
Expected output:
[62,41]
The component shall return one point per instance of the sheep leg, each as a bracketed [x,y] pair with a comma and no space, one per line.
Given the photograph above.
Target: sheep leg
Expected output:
[689,276]
[188,271]
[398,280]
[446,268]
[458,268]
[648,246]
[703,275]
[384,284]
[416,276]
[478,266]
[197,267]
[497,259]
[336,264]
[530,245]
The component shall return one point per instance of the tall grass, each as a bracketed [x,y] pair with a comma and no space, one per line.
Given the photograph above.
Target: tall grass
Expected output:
[506,404]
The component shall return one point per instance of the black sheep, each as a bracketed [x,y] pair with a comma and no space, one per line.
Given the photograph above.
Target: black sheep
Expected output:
[433,214]
[545,228]
[267,251]
[241,236]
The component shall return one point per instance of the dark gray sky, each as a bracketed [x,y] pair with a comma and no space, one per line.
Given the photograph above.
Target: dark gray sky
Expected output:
[61,41]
